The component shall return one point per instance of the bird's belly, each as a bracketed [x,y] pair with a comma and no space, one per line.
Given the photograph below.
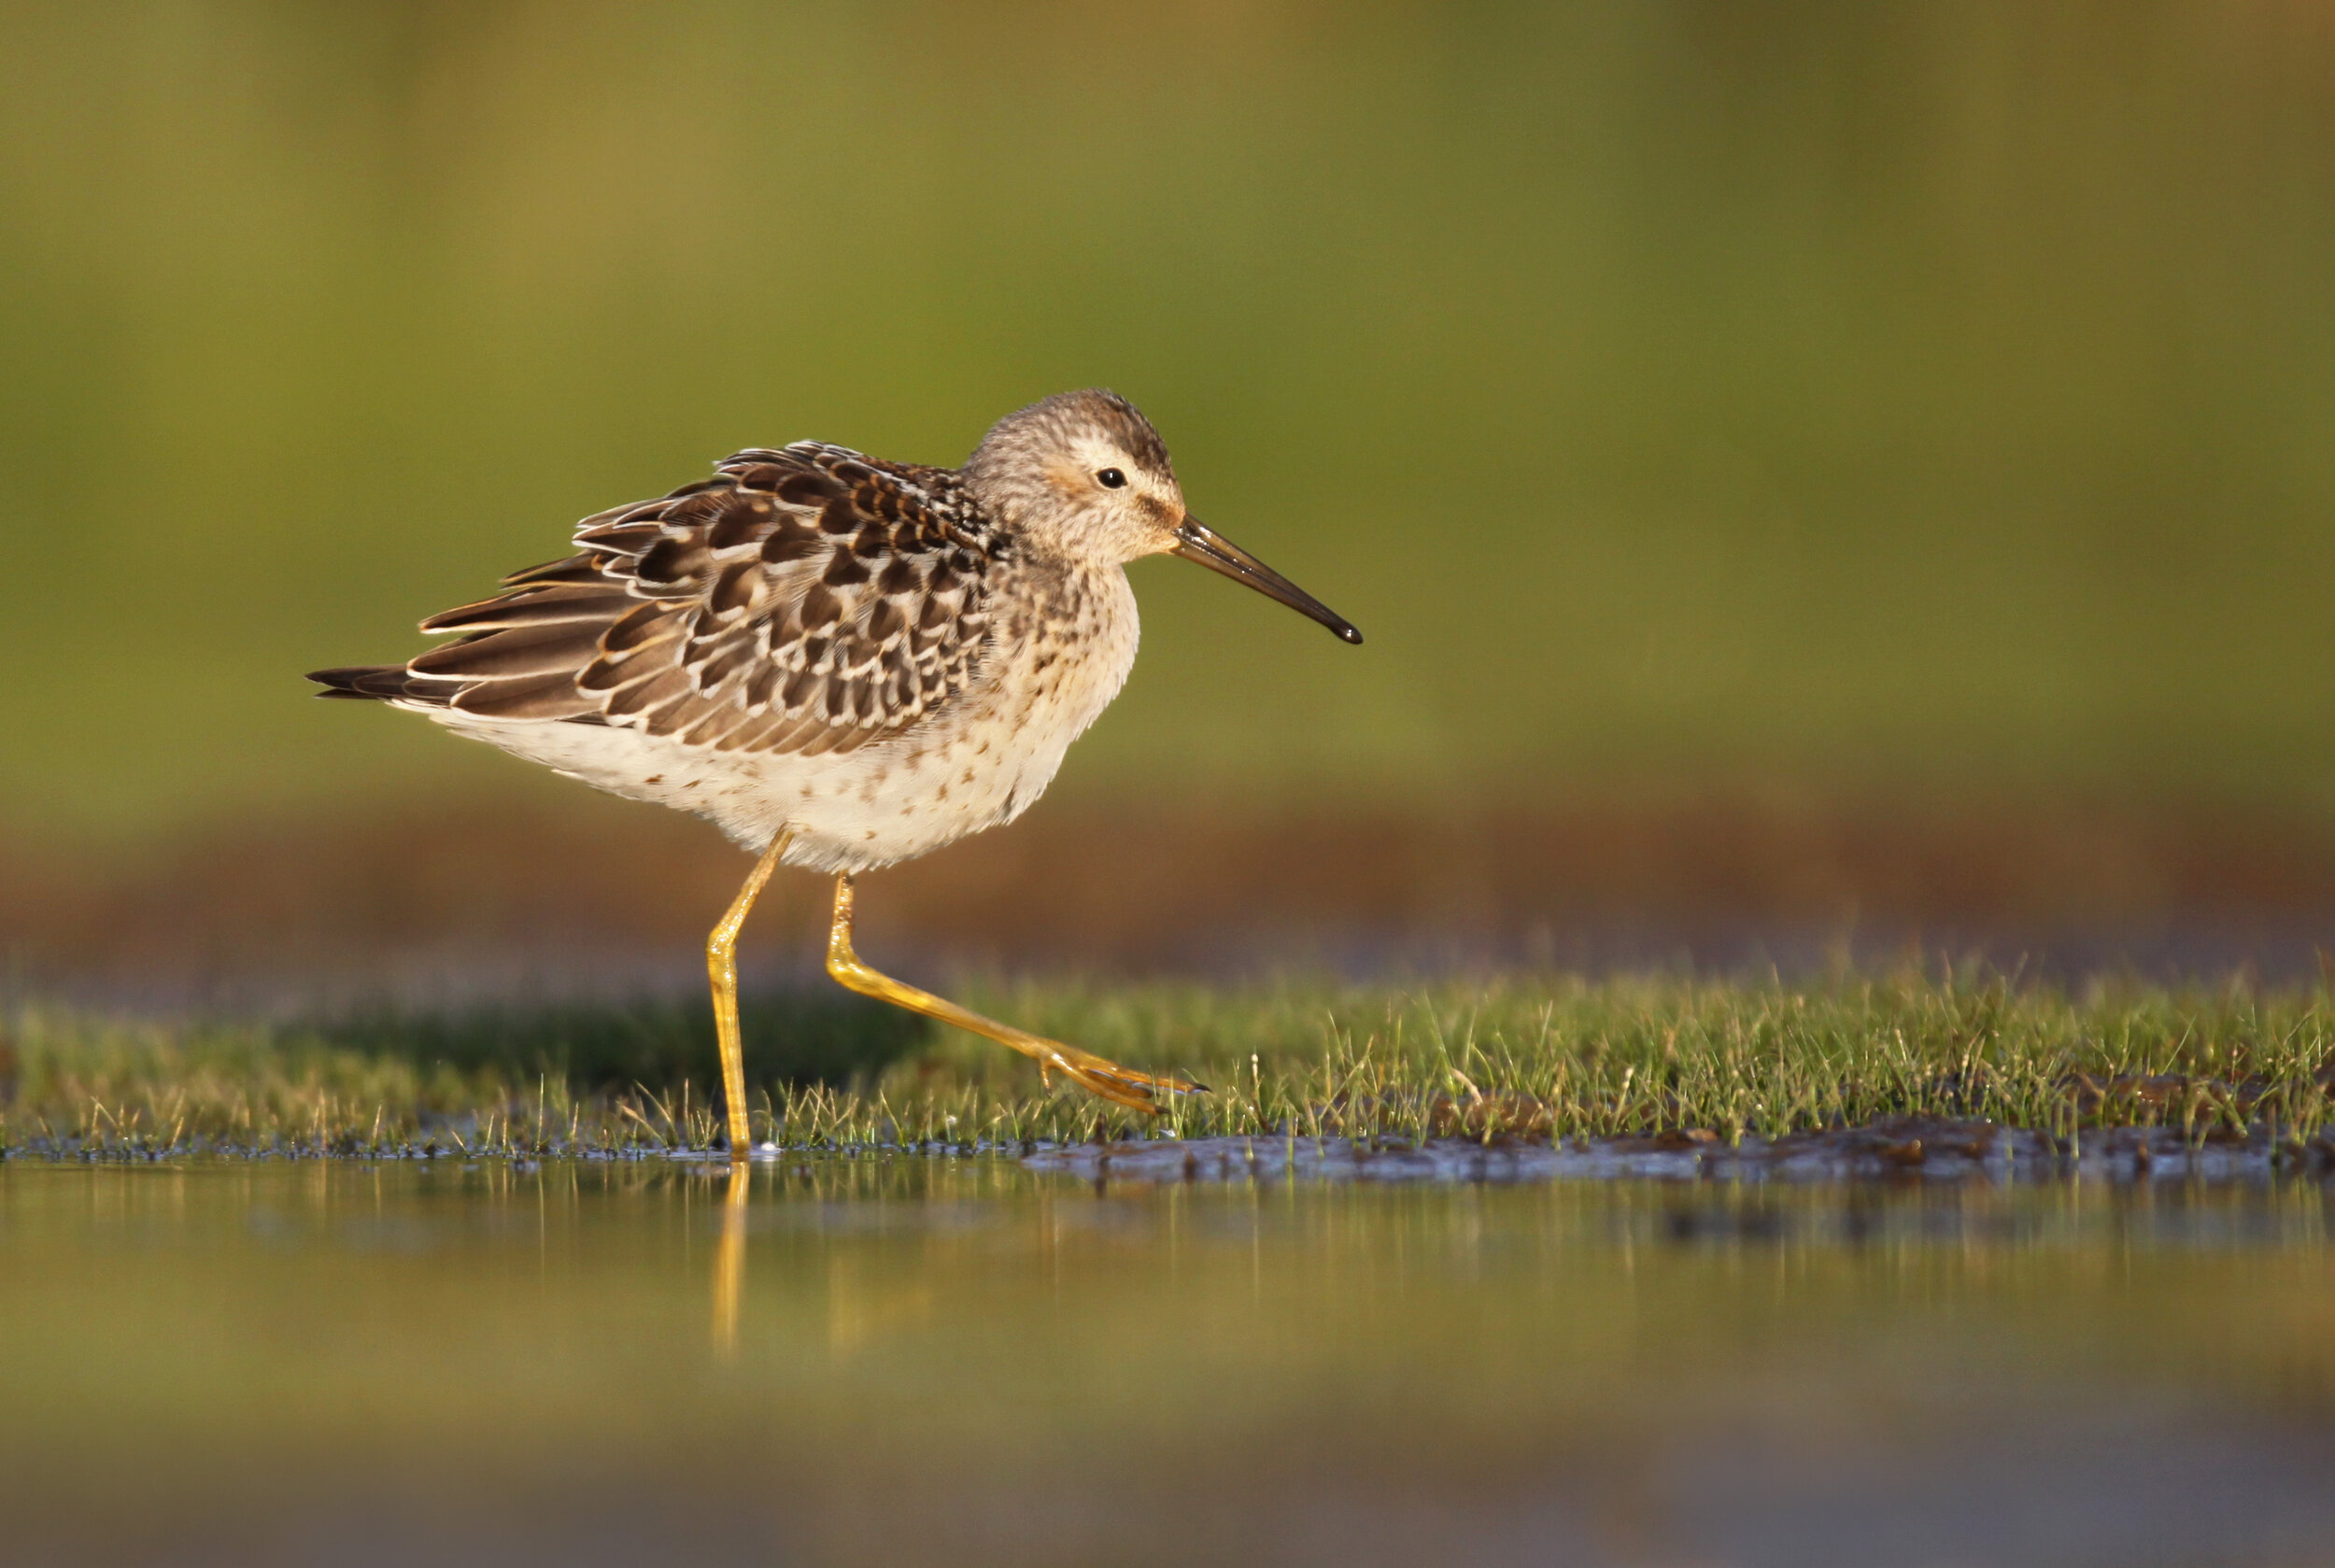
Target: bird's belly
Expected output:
[977,763]
[888,802]
[901,802]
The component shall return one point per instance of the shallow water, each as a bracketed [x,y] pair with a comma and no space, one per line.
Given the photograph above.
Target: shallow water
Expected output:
[970,1360]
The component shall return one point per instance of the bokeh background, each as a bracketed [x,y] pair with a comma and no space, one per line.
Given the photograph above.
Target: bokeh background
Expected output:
[1816,478]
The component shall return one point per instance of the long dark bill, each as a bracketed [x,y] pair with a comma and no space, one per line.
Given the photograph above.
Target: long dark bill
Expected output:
[1195,541]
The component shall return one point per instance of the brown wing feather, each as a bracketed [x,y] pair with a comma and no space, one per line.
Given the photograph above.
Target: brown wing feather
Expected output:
[803,600]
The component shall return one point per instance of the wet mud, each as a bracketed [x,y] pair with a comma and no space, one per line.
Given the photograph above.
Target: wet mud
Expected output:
[1908,1148]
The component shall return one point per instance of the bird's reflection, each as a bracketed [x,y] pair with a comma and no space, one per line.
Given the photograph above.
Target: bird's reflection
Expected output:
[730,1263]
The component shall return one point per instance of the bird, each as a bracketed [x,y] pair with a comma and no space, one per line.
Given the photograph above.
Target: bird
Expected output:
[840,662]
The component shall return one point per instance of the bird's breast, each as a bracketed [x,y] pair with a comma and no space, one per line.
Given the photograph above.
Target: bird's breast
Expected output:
[1059,653]
[1065,646]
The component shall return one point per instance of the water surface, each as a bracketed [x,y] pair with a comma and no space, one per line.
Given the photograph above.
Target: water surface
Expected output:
[875,1360]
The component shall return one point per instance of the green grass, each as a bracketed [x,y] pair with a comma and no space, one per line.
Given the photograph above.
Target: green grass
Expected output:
[1521,1058]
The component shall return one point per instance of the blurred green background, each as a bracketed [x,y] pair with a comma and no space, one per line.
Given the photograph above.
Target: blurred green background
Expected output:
[1836,395]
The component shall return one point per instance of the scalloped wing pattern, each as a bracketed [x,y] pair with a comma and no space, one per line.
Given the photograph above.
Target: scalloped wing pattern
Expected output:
[805,600]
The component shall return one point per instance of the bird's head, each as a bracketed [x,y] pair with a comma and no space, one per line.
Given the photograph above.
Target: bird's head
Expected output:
[1084,474]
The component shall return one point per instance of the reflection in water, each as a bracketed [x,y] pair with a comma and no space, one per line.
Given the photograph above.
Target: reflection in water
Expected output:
[968,1357]
[730,1262]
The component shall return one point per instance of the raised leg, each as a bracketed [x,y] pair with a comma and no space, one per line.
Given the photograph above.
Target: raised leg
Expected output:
[1120,1086]
[721,964]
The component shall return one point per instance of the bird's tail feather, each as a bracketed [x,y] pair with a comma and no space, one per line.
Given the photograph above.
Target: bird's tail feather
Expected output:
[383,682]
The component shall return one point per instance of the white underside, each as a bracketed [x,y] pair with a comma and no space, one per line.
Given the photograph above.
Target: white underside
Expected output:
[981,762]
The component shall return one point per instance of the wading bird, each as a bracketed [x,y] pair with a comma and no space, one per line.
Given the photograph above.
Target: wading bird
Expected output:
[840,662]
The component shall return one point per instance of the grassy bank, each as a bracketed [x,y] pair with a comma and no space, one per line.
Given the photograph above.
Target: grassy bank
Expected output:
[1530,1059]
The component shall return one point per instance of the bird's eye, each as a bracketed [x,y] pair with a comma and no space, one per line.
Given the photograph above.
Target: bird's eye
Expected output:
[1112,479]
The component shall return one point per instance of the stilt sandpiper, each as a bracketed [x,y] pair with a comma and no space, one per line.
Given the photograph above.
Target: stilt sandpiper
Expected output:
[840,662]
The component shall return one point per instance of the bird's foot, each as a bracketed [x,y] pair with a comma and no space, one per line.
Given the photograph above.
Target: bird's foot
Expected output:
[1124,1086]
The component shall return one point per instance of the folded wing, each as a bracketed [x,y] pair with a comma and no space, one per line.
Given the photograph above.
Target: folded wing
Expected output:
[803,600]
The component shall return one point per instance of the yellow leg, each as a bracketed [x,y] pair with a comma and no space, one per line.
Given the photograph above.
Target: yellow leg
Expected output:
[1120,1086]
[721,964]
